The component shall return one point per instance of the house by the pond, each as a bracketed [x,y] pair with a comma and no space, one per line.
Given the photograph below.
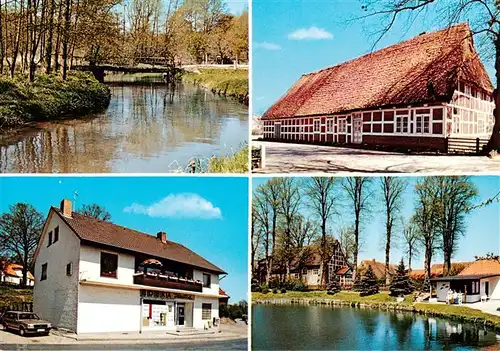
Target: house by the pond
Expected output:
[480,281]
[437,270]
[377,267]
[95,276]
[13,275]
[306,266]
[411,95]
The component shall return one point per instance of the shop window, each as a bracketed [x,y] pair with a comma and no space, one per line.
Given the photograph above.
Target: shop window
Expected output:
[50,239]
[109,265]
[206,311]
[56,234]
[44,272]
[316,125]
[207,280]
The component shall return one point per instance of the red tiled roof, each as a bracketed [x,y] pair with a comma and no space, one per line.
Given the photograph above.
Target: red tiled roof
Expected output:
[378,268]
[420,70]
[107,233]
[343,270]
[12,268]
[437,269]
[222,292]
[482,267]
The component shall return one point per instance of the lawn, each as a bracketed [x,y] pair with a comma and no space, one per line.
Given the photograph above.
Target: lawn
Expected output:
[457,311]
[10,295]
[348,296]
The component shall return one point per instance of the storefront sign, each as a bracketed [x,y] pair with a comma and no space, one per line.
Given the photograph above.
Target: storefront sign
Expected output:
[153,294]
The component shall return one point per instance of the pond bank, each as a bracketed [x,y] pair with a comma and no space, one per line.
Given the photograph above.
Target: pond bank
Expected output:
[458,313]
[231,83]
[50,98]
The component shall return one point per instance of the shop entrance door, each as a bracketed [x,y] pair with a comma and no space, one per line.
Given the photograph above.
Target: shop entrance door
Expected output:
[181,314]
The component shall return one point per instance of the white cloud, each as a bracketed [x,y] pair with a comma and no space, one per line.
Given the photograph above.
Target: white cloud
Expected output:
[267,46]
[311,33]
[185,205]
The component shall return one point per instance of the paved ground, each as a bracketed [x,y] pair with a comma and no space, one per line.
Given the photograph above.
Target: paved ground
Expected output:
[231,337]
[486,307]
[298,158]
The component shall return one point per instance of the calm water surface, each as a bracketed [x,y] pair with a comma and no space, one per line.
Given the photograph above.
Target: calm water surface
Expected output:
[147,128]
[319,327]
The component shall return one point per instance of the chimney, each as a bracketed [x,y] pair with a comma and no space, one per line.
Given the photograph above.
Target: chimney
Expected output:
[66,208]
[162,236]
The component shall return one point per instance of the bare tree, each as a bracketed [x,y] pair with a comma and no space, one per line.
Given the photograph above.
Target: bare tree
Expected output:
[392,191]
[347,241]
[258,232]
[95,211]
[320,191]
[485,24]
[410,241]
[20,230]
[359,192]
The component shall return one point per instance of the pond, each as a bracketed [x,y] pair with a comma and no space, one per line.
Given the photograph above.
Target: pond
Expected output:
[342,328]
[147,128]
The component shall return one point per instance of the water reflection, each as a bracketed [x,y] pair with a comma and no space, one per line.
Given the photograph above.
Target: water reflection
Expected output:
[319,327]
[145,129]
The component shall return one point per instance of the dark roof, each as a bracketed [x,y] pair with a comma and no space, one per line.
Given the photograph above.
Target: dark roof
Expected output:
[464,277]
[109,234]
[424,69]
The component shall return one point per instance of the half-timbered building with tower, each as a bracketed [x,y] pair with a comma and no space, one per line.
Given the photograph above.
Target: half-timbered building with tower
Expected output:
[413,95]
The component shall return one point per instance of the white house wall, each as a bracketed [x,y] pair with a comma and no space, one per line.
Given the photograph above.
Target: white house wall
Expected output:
[56,298]
[198,323]
[494,288]
[90,266]
[214,288]
[108,310]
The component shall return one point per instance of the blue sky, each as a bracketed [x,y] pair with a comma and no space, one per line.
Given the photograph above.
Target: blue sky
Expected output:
[294,37]
[208,215]
[483,225]
[236,6]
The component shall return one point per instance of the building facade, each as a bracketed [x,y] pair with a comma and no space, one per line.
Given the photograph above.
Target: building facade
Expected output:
[13,275]
[93,276]
[412,95]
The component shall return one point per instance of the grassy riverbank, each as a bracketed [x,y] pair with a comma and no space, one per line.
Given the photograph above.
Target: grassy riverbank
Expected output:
[381,300]
[237,163]
[228,82]
[49,97]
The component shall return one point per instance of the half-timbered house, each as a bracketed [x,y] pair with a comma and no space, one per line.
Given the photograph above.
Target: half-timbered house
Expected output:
[412,95]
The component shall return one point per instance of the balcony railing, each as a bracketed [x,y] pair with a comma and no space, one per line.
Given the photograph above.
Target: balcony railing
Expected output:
[170,282]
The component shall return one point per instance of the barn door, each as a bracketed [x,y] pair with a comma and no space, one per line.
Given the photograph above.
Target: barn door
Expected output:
[277,131]
[357,129]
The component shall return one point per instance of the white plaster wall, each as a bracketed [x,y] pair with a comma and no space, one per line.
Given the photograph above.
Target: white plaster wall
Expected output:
[494,289]
[214,288]
[199,323]
[90,266]
[56,298]
[311,278]
[108,310]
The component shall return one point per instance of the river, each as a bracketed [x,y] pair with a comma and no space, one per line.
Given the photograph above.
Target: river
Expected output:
[147,128]
[342,328]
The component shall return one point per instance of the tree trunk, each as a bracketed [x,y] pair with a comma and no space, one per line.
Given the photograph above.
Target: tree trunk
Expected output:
[356,246]
[387,250]
[2,49]
[67,19]
[50,37]
[409,258]
[24,281]
[494,142]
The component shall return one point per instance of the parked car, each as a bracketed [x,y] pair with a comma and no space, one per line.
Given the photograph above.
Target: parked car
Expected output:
[25,323]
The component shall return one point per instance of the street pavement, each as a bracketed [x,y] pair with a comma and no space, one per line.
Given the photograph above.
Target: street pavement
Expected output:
[298,158]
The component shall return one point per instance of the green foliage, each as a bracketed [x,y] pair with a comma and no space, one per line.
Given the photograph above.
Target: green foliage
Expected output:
[49,97]
[234,311]
[287,284]
[401,284]
[12,295]
[368,283]
[237,163]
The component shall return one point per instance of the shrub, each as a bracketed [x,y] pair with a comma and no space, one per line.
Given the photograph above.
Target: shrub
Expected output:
[400,284]
[368,283]
[283,290]
[275,291]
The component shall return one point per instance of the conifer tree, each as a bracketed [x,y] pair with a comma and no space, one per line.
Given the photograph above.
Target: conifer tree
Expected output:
[333,285]
[368,283]
[401,284]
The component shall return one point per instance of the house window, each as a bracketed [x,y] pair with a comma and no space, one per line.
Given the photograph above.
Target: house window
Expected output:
[50,239]
[315,271]
[316,126]
[296,275]
[342,125]
[207,280]
[401,124]
[44,272]
[69,269]
[206,311]
[56,234]
[109,265]
[329,125]
[422,124]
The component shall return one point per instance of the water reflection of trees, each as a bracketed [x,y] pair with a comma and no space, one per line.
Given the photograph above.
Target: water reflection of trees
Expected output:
[141,120]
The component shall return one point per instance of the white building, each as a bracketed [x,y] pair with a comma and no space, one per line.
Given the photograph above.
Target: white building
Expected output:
[479,281]
[94,276]
[13,274]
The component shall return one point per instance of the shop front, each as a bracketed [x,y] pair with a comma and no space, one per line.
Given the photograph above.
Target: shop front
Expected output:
[165,310]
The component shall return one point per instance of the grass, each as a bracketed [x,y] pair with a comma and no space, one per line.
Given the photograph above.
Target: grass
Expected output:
[348,296]
[237,163]
[49,97]
[457,312]
[10,295]
[228,82]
